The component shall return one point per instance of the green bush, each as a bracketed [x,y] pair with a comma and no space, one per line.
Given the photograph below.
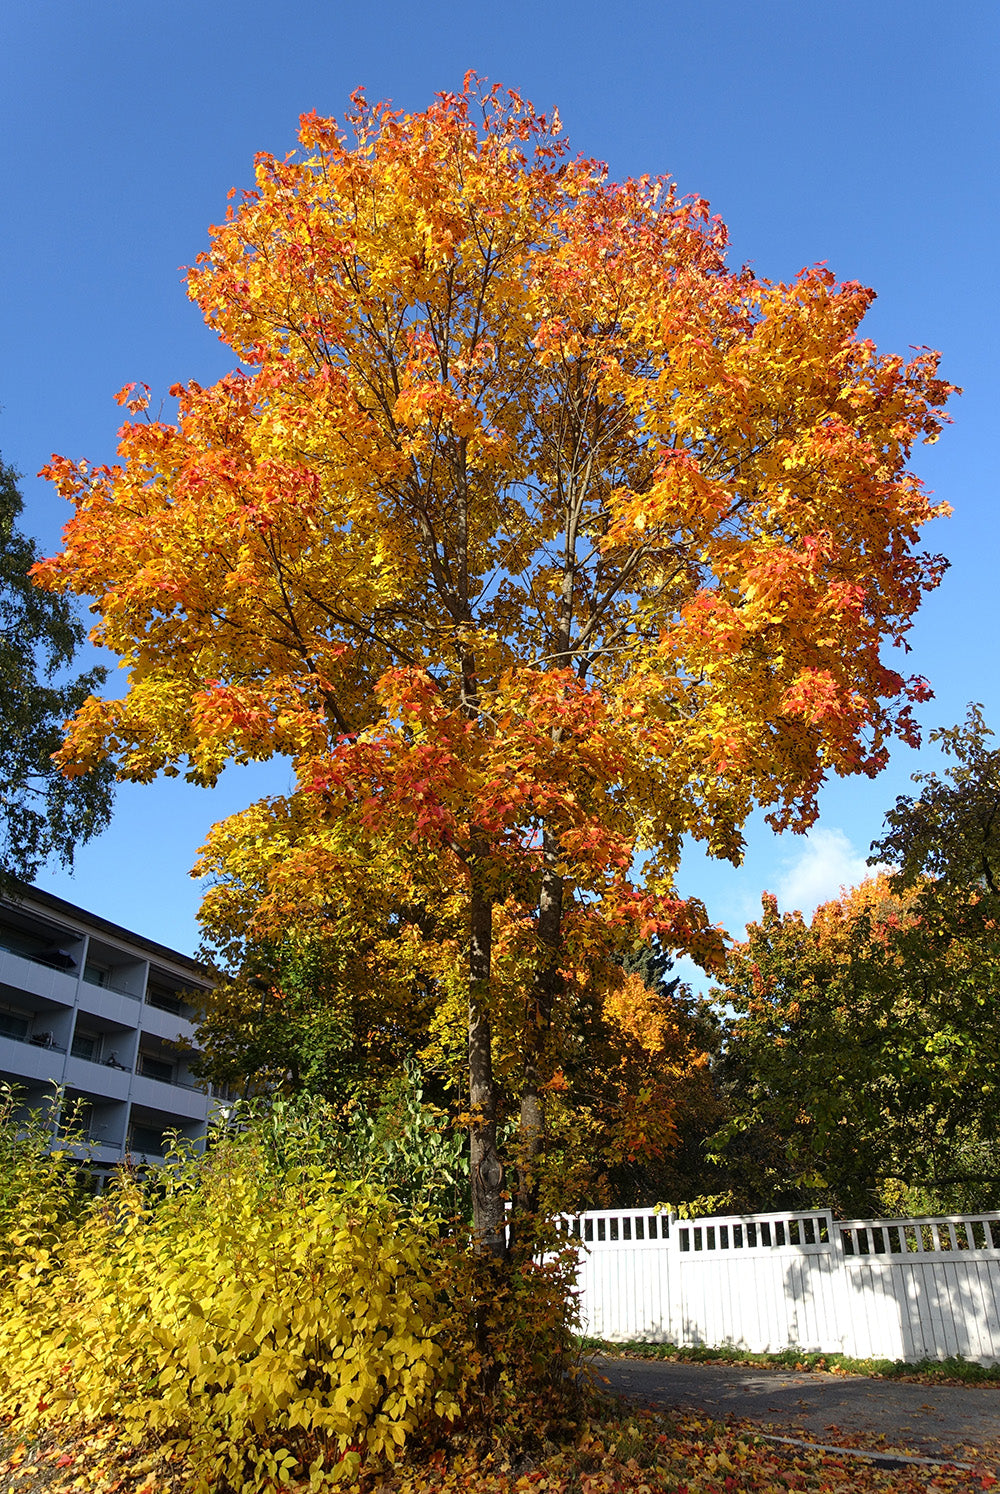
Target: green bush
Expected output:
[404,1144]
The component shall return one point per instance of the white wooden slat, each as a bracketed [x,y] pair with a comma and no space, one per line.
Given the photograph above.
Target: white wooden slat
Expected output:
[932,1273]
[965,1318]
[991,1297]
[908,1293]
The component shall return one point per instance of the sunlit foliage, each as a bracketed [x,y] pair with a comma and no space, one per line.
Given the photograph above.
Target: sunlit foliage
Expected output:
[535,536]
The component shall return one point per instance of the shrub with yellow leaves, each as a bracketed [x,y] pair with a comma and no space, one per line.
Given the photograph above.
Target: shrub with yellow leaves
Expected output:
[41,1188]
[266,1323]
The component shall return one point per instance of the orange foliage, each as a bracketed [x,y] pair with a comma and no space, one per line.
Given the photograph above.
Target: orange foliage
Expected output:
[535,536]
[653,1053]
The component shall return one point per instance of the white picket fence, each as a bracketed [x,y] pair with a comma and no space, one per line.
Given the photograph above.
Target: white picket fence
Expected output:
[886,1288]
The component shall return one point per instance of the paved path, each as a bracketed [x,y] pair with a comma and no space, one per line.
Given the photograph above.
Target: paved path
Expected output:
[959,1421]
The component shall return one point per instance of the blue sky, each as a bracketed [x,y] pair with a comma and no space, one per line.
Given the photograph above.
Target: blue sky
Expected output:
[859,132]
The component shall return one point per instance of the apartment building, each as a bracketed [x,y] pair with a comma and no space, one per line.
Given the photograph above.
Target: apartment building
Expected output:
[98,1010]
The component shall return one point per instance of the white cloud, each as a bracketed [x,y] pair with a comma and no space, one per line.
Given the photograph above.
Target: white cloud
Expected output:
[825,862]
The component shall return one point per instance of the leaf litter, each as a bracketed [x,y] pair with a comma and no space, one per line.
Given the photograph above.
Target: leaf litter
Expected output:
[617,1451]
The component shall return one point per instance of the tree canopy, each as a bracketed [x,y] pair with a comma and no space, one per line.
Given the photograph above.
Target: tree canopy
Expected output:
[42,813]
[535,536]
[948,836]
[864,1054]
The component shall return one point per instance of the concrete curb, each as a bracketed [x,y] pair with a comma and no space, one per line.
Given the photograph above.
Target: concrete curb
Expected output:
[884,1460]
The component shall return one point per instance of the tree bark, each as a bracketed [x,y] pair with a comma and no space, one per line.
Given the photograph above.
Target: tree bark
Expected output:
[538,1022]
[486,1172]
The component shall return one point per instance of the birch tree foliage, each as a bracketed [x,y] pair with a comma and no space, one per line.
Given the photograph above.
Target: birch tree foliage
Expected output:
[948,835]
[865,1046]
[533,534]
[42,813]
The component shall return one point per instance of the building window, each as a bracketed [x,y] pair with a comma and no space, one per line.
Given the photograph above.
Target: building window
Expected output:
[165,1000]
[146,1139]
[86,1045]
[111,977]
[34,947]
[156,1068]
[13,1026]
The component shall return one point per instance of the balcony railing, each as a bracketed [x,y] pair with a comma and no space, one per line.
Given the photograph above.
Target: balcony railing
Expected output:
[110,1062]
[52,959]
[108,985]
[149,1142]
[163,1075]
[32,1040]
[163,1001]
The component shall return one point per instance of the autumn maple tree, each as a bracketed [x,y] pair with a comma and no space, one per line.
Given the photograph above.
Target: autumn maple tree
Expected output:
[537,539]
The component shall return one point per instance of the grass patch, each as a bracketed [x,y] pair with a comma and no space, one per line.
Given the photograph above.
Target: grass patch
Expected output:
[954,1371]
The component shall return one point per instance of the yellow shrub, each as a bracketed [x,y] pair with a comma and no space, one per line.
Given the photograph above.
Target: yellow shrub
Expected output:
[263,1322]
[40,1190]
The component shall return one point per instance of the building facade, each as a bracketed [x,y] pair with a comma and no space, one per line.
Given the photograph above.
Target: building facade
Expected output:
[98,1012]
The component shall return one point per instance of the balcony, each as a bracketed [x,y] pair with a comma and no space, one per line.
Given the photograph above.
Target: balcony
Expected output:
[26,1061]
[38,978]
[113,1006]
[101,1080]
[165,1024]
[40,948]
[176,1099]
[166,1001]
[148,1141]
[111,969]
[98,979]
[151,1133]
[105,1153]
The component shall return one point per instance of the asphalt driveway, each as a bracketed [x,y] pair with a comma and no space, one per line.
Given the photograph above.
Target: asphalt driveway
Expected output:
[930,1421]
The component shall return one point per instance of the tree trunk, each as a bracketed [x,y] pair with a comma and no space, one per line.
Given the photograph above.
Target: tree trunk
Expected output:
[538,1021]
[484,1164]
